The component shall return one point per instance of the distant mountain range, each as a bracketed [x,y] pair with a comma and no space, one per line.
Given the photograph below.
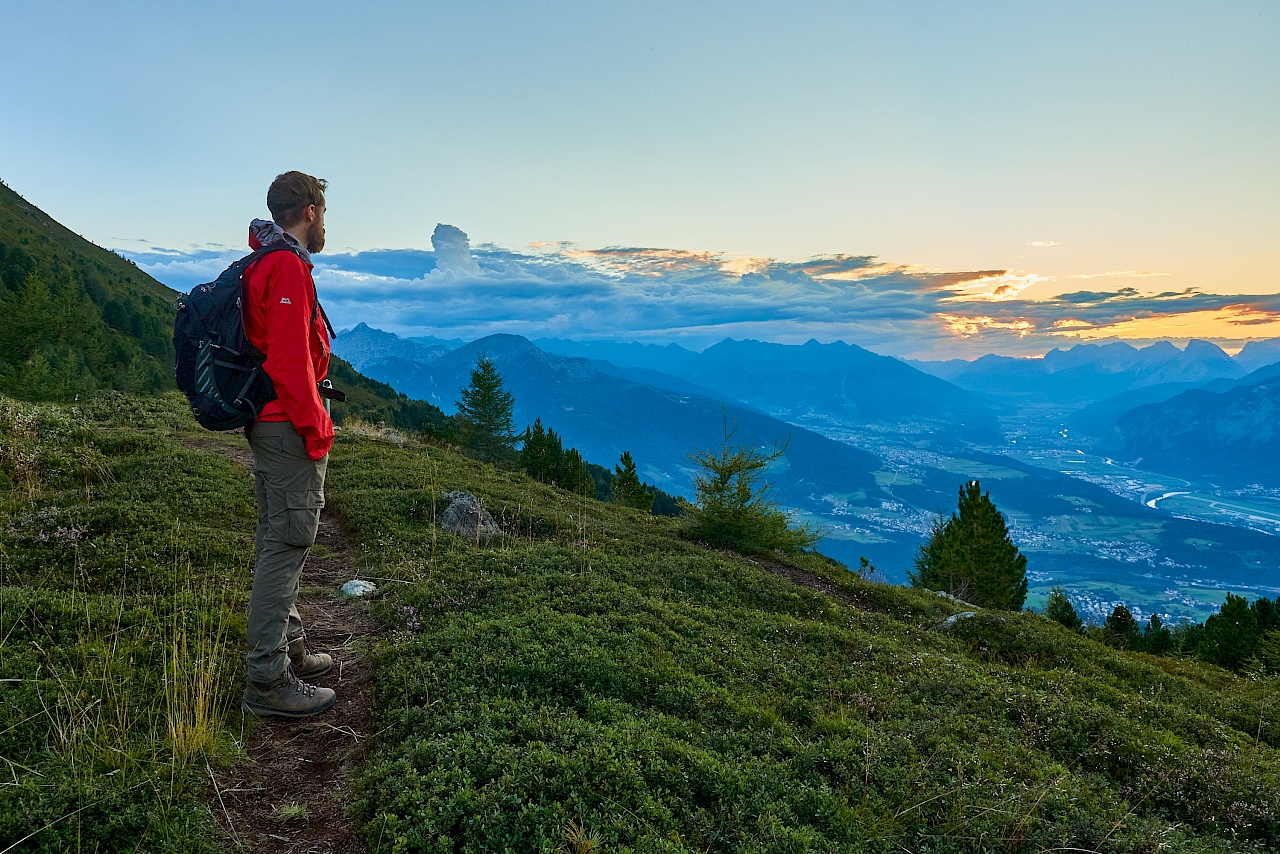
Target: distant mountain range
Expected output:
[833,382]
[364,346]
[1088,373]
[599,410]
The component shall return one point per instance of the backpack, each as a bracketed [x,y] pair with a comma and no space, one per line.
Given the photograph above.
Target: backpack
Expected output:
[217,368]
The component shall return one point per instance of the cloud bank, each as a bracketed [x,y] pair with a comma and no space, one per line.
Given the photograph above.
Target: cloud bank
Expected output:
[697,298]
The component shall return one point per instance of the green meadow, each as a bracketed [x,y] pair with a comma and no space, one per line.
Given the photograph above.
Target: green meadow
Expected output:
[590,681]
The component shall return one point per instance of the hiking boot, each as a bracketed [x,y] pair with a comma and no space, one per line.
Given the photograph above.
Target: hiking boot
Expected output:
[287,697]
[308,665]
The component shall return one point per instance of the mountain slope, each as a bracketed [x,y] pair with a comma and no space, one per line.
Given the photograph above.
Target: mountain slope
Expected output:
[1232,435]
[1099,419]
[363,345]
[603,414]
[75,317]
[588,681]
[841,381]
[594,682]
[838,381]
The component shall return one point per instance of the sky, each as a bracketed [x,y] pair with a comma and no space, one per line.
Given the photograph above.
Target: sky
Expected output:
[925,179]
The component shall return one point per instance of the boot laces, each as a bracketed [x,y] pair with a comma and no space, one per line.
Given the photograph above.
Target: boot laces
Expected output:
[302,687]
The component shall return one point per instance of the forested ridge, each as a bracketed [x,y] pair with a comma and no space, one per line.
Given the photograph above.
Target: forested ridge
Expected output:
[74,317]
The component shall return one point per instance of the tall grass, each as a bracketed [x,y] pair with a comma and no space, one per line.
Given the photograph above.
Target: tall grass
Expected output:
[120,629]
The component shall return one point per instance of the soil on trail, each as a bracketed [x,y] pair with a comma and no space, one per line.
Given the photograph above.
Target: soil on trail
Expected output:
[813,581]
[290,793]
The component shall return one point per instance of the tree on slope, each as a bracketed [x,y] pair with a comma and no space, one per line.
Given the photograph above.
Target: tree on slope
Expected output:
[484,413]
[1060,610]
[1156,637]
[733,508]
[1231,636]
[971,556]
[541,452]
[627,488]
[1121,629]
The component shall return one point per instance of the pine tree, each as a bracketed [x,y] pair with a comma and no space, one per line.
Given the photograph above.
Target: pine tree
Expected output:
[484,413]
[626,485]
[1121,629]
[1231,636]
[541,452]
[1156,637]
[1269,652]
[1060,609]
[574,475]
[971,556]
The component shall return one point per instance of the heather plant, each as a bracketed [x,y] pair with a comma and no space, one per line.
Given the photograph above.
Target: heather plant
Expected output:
[590,680]
[632,691]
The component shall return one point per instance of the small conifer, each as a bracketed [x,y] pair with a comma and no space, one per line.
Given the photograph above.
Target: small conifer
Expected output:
[971,556]
[484,413]
[1060,609]
[1121,629]
[626,485]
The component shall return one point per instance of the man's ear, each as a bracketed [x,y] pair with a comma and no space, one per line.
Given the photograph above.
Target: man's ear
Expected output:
[309,214]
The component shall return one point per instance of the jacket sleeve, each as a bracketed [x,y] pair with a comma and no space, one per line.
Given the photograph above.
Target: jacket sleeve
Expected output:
[290,300]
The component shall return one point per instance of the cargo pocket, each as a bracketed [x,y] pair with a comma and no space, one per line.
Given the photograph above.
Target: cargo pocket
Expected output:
[302,519]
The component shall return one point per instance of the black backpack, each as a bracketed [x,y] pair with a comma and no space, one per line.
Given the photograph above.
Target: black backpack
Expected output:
[218,370]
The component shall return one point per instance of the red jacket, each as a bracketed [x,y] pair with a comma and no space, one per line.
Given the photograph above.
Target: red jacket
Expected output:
[281,320]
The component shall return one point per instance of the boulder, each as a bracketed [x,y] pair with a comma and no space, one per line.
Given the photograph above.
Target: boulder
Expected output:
[951,621]
[467,518]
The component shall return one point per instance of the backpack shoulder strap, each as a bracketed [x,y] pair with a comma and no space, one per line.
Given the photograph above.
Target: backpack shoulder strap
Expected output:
[281,246]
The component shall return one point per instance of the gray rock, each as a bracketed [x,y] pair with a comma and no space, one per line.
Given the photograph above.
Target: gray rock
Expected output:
[950,622]
[359,588]
[467,518]
[945,595]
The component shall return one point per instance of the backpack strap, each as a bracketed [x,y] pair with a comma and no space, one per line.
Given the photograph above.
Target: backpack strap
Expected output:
[317,309]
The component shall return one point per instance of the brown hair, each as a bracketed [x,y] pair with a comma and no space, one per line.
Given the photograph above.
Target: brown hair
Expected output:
[291,193]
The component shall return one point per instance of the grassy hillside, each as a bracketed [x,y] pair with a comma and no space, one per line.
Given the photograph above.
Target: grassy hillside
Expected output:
[75,317]
[590,681]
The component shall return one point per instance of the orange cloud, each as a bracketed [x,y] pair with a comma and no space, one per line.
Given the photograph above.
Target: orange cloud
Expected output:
[645,262]
[1222,323]
[967,326]
[997,287]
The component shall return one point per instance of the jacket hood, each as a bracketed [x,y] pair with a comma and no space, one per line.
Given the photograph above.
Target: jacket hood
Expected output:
[264,232]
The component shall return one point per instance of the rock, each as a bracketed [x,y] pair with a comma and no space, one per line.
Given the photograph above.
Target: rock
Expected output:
[950,622]
[945,595]
[465,517]
[359,588]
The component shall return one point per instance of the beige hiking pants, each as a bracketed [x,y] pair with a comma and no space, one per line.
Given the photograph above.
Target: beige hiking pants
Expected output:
[290,495]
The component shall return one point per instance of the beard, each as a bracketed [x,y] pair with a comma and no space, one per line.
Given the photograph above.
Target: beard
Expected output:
[315,236]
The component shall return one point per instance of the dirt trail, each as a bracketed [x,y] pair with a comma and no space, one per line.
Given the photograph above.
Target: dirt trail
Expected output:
[290,793]
[813,581]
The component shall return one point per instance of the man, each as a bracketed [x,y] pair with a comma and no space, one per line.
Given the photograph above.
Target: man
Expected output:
[290,440]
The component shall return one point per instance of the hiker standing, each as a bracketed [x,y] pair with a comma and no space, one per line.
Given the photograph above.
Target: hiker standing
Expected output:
[290,439]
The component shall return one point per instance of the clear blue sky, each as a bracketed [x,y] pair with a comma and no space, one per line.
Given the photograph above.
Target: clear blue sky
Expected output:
[1122,137]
